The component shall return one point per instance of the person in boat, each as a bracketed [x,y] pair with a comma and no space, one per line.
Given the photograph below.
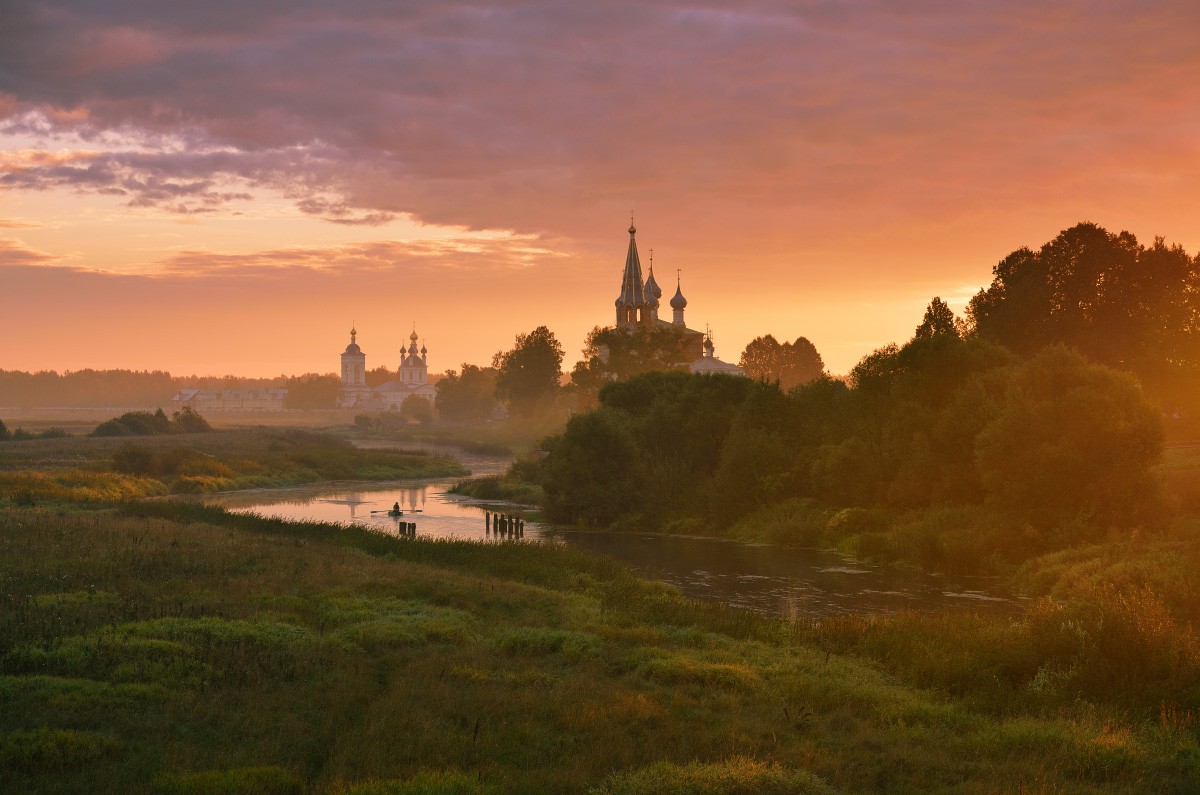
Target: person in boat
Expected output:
[396,509]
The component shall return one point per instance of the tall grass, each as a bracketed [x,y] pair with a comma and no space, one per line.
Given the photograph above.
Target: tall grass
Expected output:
[176,646]
[91,469]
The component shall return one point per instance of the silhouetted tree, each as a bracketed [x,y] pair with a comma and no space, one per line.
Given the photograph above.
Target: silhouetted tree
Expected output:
[939,321]
[1116,301]
[467,396]
[791,364]
[527,375]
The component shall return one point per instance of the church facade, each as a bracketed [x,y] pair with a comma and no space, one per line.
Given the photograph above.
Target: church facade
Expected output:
[638,304]
[413,378]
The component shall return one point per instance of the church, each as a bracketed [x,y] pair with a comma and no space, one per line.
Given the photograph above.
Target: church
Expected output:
[413,380]
[638,304]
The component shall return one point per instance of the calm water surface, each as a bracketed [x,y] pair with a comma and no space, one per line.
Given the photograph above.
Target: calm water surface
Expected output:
[795,583]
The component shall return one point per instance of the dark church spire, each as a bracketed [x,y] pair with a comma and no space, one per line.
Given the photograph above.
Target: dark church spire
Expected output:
[631,303]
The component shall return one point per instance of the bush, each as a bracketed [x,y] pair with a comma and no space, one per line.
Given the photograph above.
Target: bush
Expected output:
[144,423]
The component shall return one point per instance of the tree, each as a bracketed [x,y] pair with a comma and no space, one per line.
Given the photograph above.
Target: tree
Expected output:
[416,409]
[312,391]
[379,376]
[1071,440]
[791,364]
[1119,303]
[4,434]
[527,376]
[939,321]
[467,396]
[188,420]
[617,354]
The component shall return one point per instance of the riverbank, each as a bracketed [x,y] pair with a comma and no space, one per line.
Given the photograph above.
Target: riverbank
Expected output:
[175,647]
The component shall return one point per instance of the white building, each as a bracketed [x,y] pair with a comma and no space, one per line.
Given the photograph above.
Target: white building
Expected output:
[207,400]
[413,379]
[708,363]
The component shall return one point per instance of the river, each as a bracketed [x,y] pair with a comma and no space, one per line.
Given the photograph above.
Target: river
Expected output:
[790,582]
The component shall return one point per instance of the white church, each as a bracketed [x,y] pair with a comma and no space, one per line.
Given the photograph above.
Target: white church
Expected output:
[414,378]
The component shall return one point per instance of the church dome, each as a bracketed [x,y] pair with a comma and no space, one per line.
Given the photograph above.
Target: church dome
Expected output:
[678,302]
[353,349]
[652,288]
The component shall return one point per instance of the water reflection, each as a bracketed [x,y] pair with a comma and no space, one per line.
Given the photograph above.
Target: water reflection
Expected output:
[427,505]
[794,583]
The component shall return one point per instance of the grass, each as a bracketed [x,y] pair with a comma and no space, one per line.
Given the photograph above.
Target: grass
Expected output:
[104,470]
[174,647]
[515,435]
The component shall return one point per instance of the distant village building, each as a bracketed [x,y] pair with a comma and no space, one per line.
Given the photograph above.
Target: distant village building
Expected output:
[250,400]
[413,378]
[637,308]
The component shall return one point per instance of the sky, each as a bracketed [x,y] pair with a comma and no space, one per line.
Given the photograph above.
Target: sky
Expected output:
[226,187]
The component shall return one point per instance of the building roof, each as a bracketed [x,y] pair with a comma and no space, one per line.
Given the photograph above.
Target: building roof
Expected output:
[711,364]
[400,386]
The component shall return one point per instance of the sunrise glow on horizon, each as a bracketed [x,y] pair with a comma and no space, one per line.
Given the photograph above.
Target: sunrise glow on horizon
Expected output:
[225,190]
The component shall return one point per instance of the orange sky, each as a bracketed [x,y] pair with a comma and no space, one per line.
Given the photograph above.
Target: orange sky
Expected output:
[224,188]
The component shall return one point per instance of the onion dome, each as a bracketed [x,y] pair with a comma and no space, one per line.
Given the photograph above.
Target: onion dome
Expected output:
[708,346]
[423,349]
[652,290]
[678,300]
[353,346]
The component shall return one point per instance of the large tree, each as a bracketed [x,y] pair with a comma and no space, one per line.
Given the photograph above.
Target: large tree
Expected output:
[467,396]
[790,363]
[527,375]
[1116,301]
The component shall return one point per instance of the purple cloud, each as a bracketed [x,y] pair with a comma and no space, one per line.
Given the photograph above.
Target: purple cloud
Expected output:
[548,116]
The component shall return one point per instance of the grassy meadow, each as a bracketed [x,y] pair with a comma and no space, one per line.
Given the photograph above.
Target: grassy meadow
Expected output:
[100,470]
[172,647]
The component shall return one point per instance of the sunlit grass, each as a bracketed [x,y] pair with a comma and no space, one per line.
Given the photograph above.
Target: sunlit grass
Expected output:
[189,648]
[98,470]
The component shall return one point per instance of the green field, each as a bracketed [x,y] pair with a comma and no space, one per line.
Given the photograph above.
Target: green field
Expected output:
[94,470]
